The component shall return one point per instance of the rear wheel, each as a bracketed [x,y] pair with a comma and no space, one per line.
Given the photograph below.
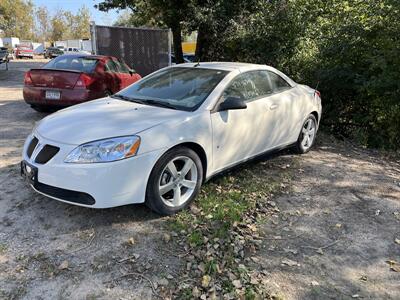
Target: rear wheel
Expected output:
[307,135]
[174,181]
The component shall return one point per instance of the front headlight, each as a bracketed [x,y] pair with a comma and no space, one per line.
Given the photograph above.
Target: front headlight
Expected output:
[105,150]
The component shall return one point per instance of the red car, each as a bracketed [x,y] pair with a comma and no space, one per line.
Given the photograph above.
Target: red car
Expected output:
[71,79]
[24,51]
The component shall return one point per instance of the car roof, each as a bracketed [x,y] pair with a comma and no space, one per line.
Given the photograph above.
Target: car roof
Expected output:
[236,66]
[225,66]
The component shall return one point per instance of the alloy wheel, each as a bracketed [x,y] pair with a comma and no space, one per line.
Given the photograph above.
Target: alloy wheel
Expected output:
[308,131]
[178,181]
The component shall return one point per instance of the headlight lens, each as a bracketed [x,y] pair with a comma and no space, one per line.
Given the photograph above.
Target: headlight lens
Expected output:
[105,150]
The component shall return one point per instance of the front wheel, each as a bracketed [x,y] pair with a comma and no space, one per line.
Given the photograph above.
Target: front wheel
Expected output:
[307,135]
[174,181]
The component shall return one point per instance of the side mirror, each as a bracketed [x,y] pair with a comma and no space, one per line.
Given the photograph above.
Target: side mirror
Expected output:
[232,103]
[132,71]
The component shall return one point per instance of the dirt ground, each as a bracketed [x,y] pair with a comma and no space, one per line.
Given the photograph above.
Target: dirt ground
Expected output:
[336,227]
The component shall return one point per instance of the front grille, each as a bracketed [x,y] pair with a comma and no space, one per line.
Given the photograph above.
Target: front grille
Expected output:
[46,154]
[32,146]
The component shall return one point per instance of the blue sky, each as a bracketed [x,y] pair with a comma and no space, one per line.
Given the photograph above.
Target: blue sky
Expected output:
[99,17]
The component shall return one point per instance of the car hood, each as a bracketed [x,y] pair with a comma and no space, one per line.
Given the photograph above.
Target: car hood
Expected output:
[102,119]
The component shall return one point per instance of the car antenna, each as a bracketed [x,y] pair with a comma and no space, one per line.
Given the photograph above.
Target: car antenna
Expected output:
[197,64]
[316,87]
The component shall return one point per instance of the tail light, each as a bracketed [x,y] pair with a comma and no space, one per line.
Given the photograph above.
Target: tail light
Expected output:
[83,81]
[28,78]
[318,93]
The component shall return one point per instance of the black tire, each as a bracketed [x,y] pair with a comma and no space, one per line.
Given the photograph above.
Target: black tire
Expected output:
[42,108]
[153,197]
[299,147]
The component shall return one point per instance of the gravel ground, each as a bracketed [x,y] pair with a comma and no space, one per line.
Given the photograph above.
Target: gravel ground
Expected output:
[337,227]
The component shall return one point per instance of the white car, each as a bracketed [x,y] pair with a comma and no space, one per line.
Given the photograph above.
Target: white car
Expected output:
[159,139]
[73,50]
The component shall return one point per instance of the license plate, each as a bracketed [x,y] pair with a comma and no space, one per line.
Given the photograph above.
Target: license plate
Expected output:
[53,95]
[29,172]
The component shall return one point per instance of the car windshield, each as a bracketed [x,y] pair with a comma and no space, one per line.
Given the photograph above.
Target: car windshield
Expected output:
[183,88]
[74,63]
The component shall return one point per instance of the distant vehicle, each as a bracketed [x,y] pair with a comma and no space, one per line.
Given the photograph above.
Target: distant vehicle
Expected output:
[71,79]
[173,59]
[4,56]
[24,51]
[73,50]
[189,57]
[53,52]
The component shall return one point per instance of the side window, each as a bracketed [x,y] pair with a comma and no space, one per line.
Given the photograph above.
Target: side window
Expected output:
[241,87]
[110,66]
[249,85]
[262,83]
[278,83]
[122,68]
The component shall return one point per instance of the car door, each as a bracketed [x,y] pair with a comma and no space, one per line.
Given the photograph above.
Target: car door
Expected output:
[123,73]
[131,75]
[283,115]
[113,80]
[241,134]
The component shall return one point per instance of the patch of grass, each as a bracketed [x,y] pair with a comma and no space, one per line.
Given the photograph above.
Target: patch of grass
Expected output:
[186,294]
[211,267]
[196,238]
[224,205]
[3,248]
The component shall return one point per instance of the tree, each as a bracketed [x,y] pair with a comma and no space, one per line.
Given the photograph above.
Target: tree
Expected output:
[66,25]
[16,18]
[58,26]
[43,24]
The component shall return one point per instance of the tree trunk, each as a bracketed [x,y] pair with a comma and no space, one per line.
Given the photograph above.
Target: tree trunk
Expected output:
[177,40]
[203,43]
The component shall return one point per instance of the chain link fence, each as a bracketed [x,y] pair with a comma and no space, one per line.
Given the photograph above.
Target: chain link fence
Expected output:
[143,49]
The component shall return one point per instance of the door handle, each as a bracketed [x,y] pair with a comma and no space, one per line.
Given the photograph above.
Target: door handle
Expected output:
[273,106]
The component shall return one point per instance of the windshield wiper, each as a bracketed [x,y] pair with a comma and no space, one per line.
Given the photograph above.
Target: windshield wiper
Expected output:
[145,101]
[122,97]
[159,103]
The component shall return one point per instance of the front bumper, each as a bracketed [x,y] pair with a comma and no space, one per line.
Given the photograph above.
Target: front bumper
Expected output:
[107,184]
[25,55]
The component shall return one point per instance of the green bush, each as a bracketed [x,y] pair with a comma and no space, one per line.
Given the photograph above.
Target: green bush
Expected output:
[351,49]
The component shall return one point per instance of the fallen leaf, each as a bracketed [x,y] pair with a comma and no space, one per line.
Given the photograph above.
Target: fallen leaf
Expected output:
[64,265]
[194,209]
[395,268]
[205,282]
[166,237]
[314,283]
[163,282]
[397,241]
[320,251]
[290,262]
[237,284]
[195,292]
[131,241]
[338,225]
